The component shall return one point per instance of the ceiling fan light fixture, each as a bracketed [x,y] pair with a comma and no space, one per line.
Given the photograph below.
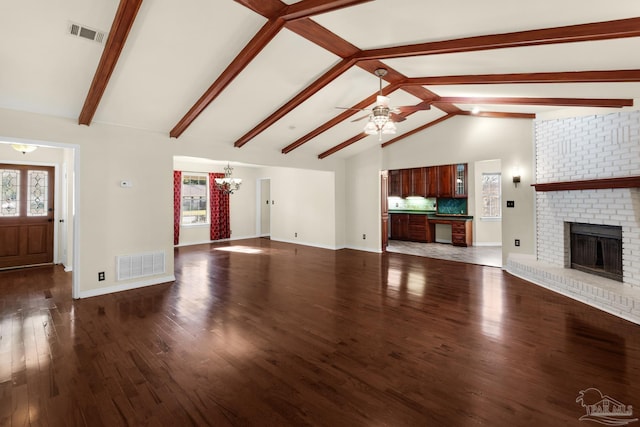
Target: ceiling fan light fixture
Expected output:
[389,128]
[370,128]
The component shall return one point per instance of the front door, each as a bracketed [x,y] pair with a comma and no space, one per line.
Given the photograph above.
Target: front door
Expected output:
[26,215]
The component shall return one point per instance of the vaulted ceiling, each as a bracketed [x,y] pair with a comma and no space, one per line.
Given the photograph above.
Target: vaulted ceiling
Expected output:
[269,74]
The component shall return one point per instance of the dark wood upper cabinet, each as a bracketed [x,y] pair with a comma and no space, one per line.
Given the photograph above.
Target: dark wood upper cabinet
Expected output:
[406,182]
[460,181]
[445,180]
[432,181]
[395,183]
[419,182]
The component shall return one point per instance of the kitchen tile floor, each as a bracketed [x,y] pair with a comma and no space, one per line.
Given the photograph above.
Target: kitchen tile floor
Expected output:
[482,255]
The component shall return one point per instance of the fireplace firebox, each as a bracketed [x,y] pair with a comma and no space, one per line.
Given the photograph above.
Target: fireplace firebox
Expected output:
[597,249]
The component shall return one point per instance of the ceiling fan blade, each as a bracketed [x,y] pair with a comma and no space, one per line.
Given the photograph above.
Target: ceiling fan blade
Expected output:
[397,117]
[424,105]
[360,118]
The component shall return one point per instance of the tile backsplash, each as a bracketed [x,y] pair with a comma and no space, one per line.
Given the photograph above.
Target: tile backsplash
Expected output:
[452,206]
[412,203]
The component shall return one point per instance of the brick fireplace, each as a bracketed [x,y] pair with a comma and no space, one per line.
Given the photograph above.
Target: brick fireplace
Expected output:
[592,149]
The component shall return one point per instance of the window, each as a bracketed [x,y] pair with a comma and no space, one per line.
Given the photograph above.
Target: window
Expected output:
[195,199]
[491,195]
[10,192]
[38,191]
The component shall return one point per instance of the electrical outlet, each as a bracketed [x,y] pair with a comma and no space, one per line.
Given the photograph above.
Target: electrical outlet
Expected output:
[517,242]
[100,276]
[511,203]
[364,237]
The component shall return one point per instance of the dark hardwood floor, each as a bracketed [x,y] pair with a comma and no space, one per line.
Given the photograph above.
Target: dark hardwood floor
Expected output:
[261,333]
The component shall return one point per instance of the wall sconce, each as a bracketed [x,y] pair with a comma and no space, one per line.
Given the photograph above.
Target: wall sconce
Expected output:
[516,176]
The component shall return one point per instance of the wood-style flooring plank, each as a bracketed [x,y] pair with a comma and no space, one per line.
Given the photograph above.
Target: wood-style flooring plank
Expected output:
[287,335]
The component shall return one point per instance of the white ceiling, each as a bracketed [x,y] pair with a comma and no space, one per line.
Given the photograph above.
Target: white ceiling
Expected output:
[177,49]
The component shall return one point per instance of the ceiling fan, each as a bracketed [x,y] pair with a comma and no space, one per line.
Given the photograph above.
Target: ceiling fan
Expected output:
[382,117]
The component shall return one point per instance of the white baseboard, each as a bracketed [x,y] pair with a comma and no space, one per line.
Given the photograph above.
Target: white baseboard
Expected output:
[127,286]
[206,242]
[297,242]
[487,244]
[364,249]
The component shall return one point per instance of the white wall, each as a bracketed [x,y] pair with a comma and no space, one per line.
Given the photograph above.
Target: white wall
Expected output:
[363,200]
[303,204]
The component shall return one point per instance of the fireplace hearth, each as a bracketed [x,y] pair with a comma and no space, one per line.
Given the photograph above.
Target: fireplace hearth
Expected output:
[597,249]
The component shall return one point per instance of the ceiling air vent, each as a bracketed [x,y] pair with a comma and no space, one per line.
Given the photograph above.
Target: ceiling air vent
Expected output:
[87,33]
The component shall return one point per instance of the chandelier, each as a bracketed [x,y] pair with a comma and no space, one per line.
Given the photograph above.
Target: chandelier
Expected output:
[228,184]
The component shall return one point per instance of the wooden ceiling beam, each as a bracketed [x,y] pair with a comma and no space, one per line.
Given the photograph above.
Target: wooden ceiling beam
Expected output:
[279,15]
[613,76]
[566,102]
[335,72]
[498,115]
[606,30]
[317,34]
[308,8]
[122,23]
[246,55]
[270,9]
[344,145]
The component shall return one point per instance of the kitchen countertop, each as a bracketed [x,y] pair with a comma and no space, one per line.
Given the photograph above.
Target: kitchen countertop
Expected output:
[433,215]
[450,217]
[407,211]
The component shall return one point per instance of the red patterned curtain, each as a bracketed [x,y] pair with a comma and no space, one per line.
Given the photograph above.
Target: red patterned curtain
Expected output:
[219,207]
[177,190]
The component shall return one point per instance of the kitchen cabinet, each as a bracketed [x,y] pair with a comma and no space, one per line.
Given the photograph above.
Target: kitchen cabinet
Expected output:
[461,233]
[445,180]
[432,181]
[399,226]
[414,182]
[419,230]
[395,183]
[412,227]
[460,183]
[419,182]
[405,180]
